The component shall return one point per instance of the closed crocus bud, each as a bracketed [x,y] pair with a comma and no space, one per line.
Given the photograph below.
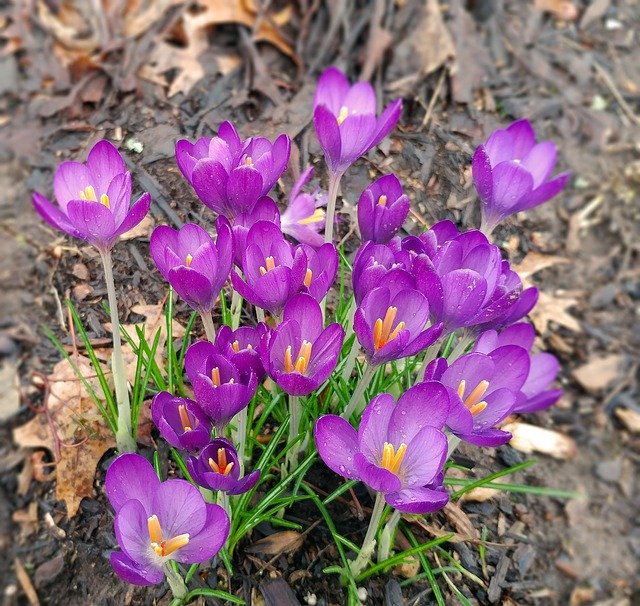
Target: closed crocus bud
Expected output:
[345,119]
[300,353]
[94,198]
[304,217]
[274,270]
[217,468]
[511,173]
[399,450]
[392,324]
[221,389]
[322,268]
[241,346]
[180,421]
[265,209]
[382,209]
[194,265]
[484,390]
[229,175]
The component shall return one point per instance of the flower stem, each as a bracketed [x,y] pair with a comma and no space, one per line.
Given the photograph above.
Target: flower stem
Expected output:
[236,310]
[260,314]
[176,582]
[223,501]
[464,340]
[124,438]
[334,186]
[367,375]
[295,414]
[430,354]
[209,327]
[351,360]
[369,543]
[386,537]
[240,435]
[453,442]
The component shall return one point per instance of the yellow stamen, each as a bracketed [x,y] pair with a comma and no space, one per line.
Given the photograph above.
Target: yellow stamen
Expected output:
[382,332]
[184,418]
[288,362]
[155,532]
[269,264]
[344,112]
[89,194]
[175,543]
[188,260]
[477,408]
[382,200]
[161,547]
[215,376]
[249,346]
[302,359]
[461,388]
[308,277]
[316,217]
[391,459]
[235,346]
[104,200]
[248,161]
[221,466]
[474,401]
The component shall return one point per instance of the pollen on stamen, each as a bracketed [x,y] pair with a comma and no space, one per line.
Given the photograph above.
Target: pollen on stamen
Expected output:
[308,277]
[215,376]
[269,264]
[235,346]
[382,200]
[184,418]
[248,161]
[344,112]
[317,217]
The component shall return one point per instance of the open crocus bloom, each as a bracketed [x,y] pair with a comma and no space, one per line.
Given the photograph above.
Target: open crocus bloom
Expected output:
[382,209]
[322,268]
[544,367]
[195,265]
[398,450]
[304,217]
[392,324]
[180,421]
[217,468]
[221,388]
[345,119]
[484,390]
[512,172]
[94,198]
[159,521]
[228,174]
[301,354]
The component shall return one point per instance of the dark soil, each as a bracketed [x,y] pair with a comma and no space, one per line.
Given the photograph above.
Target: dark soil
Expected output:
[577,81]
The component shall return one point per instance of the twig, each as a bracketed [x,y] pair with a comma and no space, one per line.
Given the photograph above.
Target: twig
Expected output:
[611,85]
[434,98]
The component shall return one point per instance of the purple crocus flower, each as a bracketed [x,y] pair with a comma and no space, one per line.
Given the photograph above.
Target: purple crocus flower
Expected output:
[217,467]
[159,521]
[228,174]
[242,346]
[304,217]
[221,388]
[512,172]
[192,263]
[301,354]
[484,390]
[274,270]
[322,268]
[94,198]
[375,264]
[544,367]
[399,449]
[382,209]
[345,119]
[181,421]
[265,209]
[390,324]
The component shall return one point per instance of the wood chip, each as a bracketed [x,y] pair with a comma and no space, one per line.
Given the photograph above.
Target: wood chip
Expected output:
[286,541]
[599,373]
[529,438]
[25,583]
[629,418]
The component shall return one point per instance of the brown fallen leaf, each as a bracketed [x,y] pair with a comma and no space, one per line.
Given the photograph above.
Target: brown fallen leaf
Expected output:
[460,520]
[286,541]
[552,308]
[598,373]
[535,262]
[142,230]
[529,438]
[629,418]
[562,9]
[83,435]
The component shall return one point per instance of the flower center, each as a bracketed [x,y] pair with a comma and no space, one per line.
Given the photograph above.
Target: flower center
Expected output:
[215,377]
[187,423]
[316,217]
[89,194]
[344,112]
[269,264]
[382,332]
[391,459]
[237,347]
[188,260]
[474,401]
[248,161]
[382,200]
[221,466]
[302,361]
[308,277]
[158,544]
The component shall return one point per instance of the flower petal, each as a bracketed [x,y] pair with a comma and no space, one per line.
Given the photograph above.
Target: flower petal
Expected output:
[481,170]
[70,179]
[104,162]
[136,213]
[337,442]
[377,478]
[331,90]
[94,221]
[328,133]
[417,500]
[209,541]
[130,476]
[53,215]
[180,508]
[373,430]
[130,572]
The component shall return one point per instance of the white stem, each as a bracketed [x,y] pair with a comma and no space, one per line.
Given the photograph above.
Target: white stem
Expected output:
[464,340]
[367,375]
[453,442]
[223,501]
[236,310]
[295,414]
[387,535]
[260,314]
[369,543]
[240,435]
[209,327]
[351,360]
[430,355]
[176,582]
[124,438]
[334,186]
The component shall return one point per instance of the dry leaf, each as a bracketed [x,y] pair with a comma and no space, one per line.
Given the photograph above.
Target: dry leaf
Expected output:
[141,230]
[460,521]
[554,309]
[562,9]
[286,541]
[480,494]
[409,568]
[535,262]
[79,425]
[9,388]
[529,438]
[599,372]
[629,418]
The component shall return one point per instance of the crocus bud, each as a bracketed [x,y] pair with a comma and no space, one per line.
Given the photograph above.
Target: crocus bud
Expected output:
[382,209]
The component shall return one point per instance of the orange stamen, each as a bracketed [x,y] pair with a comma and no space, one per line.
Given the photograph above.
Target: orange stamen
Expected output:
[235,346]
[382,332]
[188,260]
[391,459]
[184,418]
[302,359]
[344,112]
[382,200]
[161,547]
[221,466]
[308,277]
[215,376]
[269,264]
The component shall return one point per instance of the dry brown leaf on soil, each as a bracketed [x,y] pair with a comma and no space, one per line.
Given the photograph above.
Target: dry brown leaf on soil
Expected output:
[530,438]
[78,424]
[535,262]
[562,9]
[553,308]
[286,541]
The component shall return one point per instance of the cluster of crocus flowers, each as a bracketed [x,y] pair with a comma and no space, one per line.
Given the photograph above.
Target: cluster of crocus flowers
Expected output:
[409,293]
